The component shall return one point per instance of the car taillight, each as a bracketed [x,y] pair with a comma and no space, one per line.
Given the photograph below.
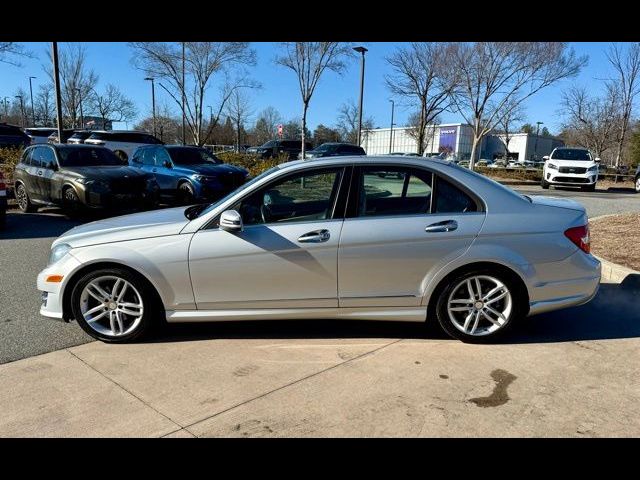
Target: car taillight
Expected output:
[580,237]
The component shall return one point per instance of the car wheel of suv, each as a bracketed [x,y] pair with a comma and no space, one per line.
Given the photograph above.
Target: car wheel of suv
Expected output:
[589,188]
[122,156]
[638,185]
[544,184]
[22,198]
[114,305]
[186,194]
[480,306]
[71,203]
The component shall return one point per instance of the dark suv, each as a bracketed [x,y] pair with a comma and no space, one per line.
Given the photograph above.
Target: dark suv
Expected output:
[76,176]
[273,148]
[12,137]
[334,150]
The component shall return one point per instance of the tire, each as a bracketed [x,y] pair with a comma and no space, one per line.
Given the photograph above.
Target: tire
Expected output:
[136,291]
[512,306]
[23,200]
[71,203]
[589,188]
[637,184]
[186,194]
[122,156]
[544,184]
[3,219]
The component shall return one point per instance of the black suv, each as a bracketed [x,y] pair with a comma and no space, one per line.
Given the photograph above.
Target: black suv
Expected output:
[13,137]
[334,150]
[76,176]
[273,148]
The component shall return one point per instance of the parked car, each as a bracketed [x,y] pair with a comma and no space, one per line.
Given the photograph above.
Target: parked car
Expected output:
[573,167]
[410,154]
[274,148]
[188,174]
[66,134]
[12,136]
[3,201]
[79,176]
[330,239]
[122,142]
[79,136]
[333,150]
[637,179]
[39,134]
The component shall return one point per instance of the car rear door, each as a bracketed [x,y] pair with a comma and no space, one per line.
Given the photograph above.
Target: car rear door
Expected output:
[48,170]
[402,224]
[26,171]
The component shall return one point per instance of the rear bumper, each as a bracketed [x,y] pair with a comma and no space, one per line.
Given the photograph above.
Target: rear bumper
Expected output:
[569,283]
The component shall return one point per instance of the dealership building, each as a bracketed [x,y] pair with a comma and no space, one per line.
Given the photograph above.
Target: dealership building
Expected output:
[456,141]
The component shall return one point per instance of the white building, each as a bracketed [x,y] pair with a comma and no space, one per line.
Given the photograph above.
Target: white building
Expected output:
[456,140]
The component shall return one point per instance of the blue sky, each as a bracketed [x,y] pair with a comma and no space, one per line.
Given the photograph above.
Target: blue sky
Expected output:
[112,62]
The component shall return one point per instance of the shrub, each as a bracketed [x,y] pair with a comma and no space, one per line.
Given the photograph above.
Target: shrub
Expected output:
[9,158]
[511,173]
[252,163]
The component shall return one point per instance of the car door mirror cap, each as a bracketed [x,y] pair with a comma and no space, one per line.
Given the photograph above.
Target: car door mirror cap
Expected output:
[597,160]
[231,221]
[52,166]
[545,158]
[168,164]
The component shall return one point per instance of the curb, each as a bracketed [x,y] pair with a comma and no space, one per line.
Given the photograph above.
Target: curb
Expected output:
[612,271]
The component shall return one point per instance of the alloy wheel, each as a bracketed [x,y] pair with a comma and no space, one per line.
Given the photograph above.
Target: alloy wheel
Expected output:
[638,185]
[21,197]
[479,305]
[111,306]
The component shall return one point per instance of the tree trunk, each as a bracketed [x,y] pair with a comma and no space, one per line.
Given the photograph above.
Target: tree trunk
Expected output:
[474,148]
[621,142]
[304,128]
[238,134]
[421,130]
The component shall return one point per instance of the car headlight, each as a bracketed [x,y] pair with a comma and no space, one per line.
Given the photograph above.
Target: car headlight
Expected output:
[58,252]
[204,178]
[593,169]
[552,166]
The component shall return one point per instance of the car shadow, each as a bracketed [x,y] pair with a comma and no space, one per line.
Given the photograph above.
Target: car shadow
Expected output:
[612,314]
[48,222]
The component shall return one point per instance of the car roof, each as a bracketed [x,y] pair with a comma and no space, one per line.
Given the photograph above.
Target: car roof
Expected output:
[572,148]
[368,159]
[120,131]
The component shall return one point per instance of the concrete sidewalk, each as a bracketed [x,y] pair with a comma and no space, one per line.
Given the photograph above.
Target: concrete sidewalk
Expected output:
[569,373]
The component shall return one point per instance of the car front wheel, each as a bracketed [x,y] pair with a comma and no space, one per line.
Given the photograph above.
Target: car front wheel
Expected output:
[480,306]
[113,305]
[638,185]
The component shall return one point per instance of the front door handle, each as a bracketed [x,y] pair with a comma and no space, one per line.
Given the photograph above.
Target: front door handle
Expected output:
[446,226]
[317,236]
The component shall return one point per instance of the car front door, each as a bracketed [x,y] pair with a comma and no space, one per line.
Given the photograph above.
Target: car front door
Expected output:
[285,257]
[403,222]
[163,170]
[49,167]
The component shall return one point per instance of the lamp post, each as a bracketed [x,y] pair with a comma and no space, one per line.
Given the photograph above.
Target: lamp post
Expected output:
[21,110]
[6,108]
[391,132]
[362,51]
[184,142]
[153,102]
[80,101]
[535,148]
[56,82]
[33,112]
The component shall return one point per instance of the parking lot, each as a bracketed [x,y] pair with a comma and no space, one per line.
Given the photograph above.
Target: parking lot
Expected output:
[568,373]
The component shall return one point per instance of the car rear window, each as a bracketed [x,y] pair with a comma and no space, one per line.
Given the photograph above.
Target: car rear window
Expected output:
[351,149]
[38,133]
[87,157]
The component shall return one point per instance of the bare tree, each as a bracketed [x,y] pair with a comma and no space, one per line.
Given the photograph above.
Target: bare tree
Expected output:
[309,60]
[627,83]
[507,124]
[204,63]
[44,104]
[112,105]
[168,125]
[422,78]
[10,50]
[422,134]
[348,123]
[266,127]
[238,109]
[590,122]
[77,81]
[493,75]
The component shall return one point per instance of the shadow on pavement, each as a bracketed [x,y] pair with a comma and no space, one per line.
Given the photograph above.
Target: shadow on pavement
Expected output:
[46,223]
[612,314]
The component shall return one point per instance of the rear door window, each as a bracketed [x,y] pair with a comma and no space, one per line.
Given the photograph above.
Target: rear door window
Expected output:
[451,199]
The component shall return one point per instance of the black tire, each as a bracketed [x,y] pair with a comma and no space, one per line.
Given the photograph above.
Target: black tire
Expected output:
[519,306]
[71,203]
[589,188]
[186,194]
[638,184]
[23,200]
[3,219]
[122,156]
[152,310]
[544,184]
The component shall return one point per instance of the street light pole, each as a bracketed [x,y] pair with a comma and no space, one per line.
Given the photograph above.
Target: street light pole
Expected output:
[33,112]
[56,84]
[184,142]
[6,108]
[535,148]
[361,50]
[21,110]
[153,102]
[391,132]
[80,101]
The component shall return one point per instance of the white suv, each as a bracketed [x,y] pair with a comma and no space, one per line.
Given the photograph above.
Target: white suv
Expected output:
[573,167]
[122,142]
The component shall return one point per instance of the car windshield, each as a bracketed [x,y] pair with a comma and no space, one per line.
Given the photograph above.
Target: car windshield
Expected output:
[87,157]
[207,208]
[323,148]
[192,156]
[571,154]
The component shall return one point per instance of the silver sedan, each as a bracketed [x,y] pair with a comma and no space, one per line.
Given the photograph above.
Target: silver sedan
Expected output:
[372,238]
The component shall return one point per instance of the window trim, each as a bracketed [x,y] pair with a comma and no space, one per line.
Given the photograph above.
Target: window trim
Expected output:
[214,223]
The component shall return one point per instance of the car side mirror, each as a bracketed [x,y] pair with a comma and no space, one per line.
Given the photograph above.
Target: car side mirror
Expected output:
[52,166]
[545,158]
[168,164]
[597,160]
[231,221]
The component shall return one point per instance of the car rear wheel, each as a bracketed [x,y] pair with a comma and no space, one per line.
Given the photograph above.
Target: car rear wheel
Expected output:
[480,306]
[113,305]
[22,198]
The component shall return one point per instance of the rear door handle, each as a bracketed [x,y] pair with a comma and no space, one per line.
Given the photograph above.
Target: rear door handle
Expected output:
[446,226]
[317,236]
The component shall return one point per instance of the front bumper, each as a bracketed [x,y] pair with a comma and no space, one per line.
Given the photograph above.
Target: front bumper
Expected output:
[556,178]
[119,200]
[52,293]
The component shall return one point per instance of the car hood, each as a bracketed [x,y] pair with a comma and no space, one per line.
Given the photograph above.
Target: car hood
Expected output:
[104,172]
[210,170]
[556,202]
[156,223]
[572,163]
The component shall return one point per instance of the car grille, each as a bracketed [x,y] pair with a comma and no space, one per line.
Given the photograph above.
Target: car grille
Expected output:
[571,180]
[128,185]
[573,170]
